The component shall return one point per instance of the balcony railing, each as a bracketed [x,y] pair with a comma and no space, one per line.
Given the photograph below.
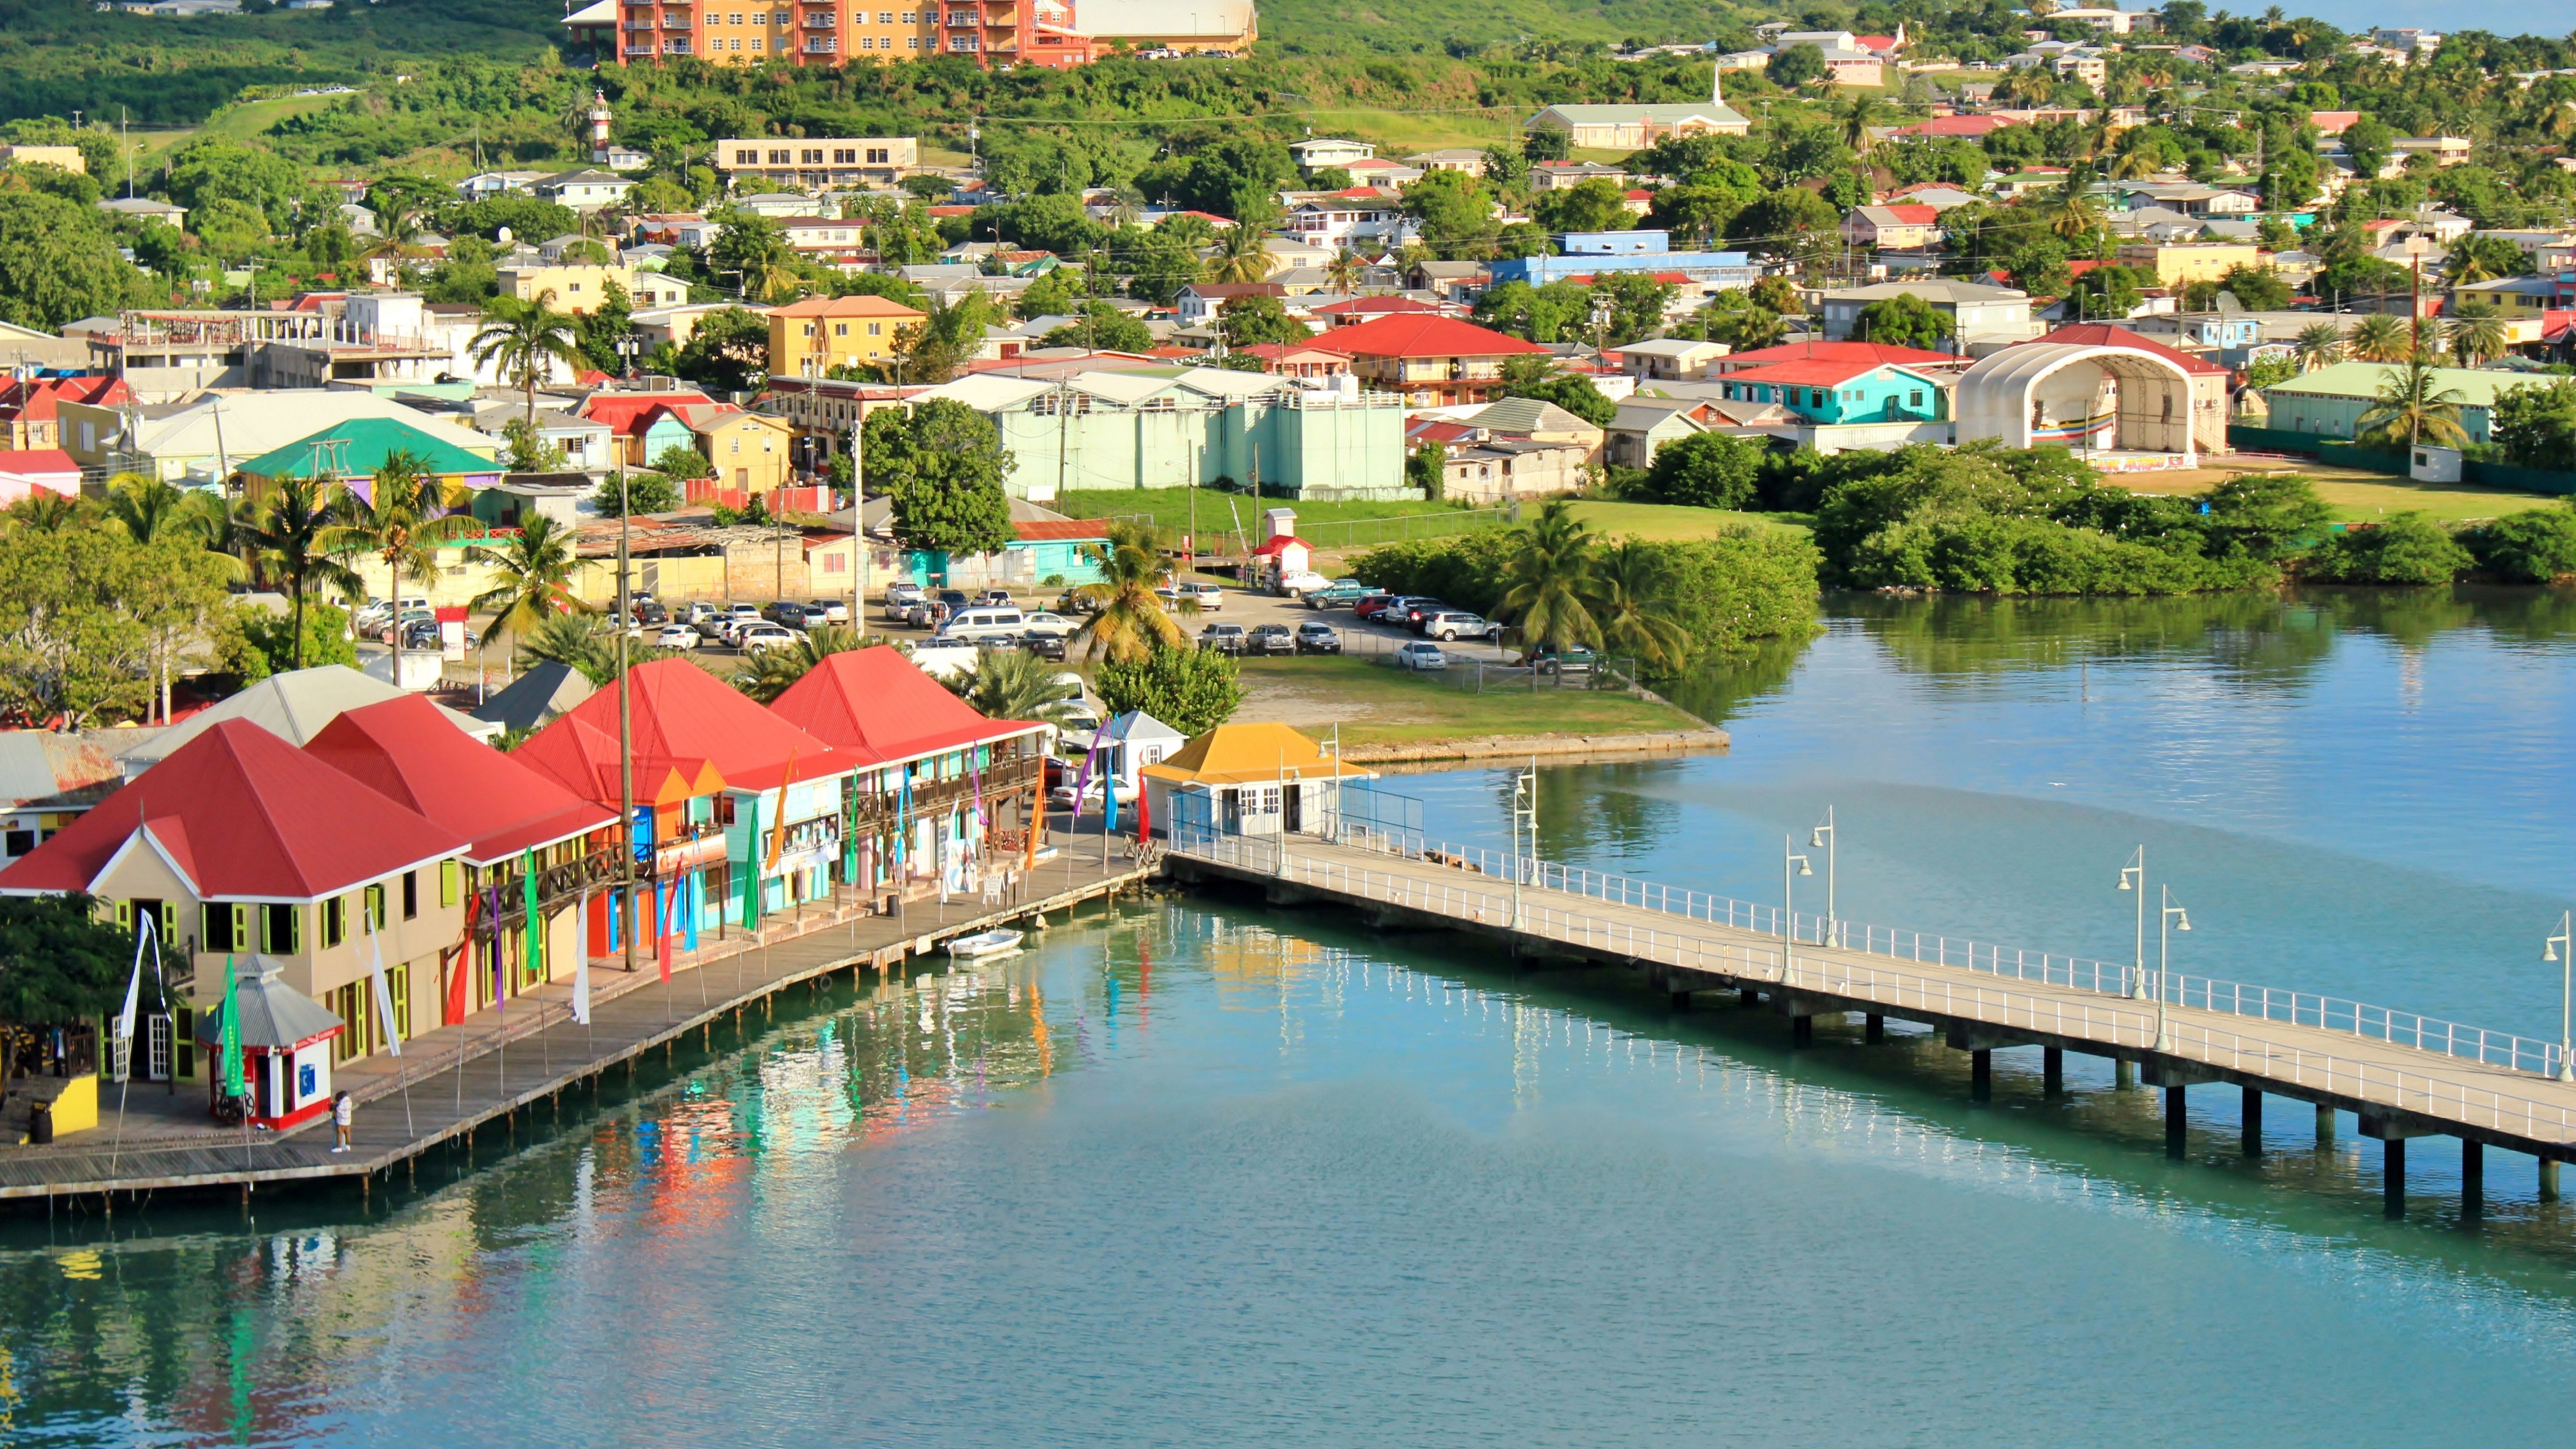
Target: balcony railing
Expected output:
[675,22]
[824,45]
[820,20]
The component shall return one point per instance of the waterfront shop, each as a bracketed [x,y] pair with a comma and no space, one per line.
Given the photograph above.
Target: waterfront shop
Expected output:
[1249,779]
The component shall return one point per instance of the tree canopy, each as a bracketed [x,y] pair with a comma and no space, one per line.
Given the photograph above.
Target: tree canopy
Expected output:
[943,464]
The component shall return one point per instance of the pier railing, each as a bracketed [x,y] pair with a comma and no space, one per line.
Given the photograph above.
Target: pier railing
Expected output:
[2298,1008]
[2126,1022]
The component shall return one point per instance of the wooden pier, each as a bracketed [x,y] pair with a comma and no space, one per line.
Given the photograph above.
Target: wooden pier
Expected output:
[2401,1076]
[454,1080]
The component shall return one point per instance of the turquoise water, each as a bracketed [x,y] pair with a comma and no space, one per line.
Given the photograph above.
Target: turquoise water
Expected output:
[1200,1172]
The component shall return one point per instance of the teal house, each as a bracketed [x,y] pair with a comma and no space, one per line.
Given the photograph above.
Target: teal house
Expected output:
[1825,392]
[1049,546]
[353,451]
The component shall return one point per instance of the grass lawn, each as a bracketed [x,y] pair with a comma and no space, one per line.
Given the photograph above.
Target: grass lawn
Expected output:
[1377,704]
[1666,522]
[2355,495]
[1399,134]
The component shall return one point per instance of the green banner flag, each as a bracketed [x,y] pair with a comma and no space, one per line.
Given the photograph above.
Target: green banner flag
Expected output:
[751,867]
[228,1053]
[536,953]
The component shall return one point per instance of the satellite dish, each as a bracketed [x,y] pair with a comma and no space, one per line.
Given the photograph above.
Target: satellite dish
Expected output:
[501,235]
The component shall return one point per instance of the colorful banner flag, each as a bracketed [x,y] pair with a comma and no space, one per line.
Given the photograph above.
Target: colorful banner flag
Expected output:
[778,831]
[384,992]
[133,992]
[228,1051]
[696,902]
[464,956]
[581,964]
[663,901]
[751,869]
[535,962]
[1144,811]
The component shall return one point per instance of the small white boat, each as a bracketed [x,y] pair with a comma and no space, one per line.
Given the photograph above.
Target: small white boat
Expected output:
[986,943]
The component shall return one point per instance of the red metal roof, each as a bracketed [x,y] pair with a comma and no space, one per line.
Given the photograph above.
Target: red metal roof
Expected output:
[1818,373]
[1281,351]
[1866,353]
[1423,334]
[2103,334]
[1279,543]
[408,752]
[242,814]
[34,400]
[877,708]
[1388,306]
[622,410]
[684,721]
[1060,530]
[23,461]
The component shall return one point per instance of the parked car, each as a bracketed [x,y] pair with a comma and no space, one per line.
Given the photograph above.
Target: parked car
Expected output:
[1171,598]
[1317,637]
[421,636]
[1061,797]
[695,612]
[1075,601]
[834,611]
[1270,639]
[974,625]
[1577,660]
[1421,654]
[410,618]
[1209,595]
[1455,625]
[953,600]
[1223,638]
[1302,582]
[742,614]
[996,599]
[756,637]
[899,599]
[1372,606]
[1338,595]
[650,613]
[1044,622]
[1412,609]
[372,615]
[1044,646]
[677,636]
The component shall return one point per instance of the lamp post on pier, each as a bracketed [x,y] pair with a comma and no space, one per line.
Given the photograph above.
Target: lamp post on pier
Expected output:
[2133,877]
[1823,837]
[1791,867]
[2561,948]
[2174,916]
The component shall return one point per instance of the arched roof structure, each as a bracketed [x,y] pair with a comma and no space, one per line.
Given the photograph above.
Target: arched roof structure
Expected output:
[2007,396]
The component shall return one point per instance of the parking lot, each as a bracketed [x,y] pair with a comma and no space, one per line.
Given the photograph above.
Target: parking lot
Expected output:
[1251,610]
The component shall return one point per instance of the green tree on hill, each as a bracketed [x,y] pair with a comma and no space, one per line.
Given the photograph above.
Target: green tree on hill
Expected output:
[943,464]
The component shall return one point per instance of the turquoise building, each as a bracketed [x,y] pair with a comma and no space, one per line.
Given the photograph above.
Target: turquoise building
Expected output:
[1842,392]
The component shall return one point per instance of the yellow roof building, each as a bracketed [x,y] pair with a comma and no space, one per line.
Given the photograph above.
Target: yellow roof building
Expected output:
[1251,754]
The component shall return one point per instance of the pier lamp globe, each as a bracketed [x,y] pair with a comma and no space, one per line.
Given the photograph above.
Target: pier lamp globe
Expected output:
[2561,948]
[1791,866]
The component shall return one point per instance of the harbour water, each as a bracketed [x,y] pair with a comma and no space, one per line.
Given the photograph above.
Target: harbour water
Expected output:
[1198,1171]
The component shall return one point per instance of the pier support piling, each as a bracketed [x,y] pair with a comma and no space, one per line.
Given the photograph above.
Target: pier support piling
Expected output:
[2253,1122]
[1802,1031]
[2325,1124]
[1681,1001]
[1981,1074]
[2052,1071]
[2124,1074]
[2473,1178]
[1747,998]
[1873,1028]
[2392,1177]
[2549,1179]
[2177,1124]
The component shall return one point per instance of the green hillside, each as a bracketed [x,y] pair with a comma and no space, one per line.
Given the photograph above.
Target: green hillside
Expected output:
[1456,25]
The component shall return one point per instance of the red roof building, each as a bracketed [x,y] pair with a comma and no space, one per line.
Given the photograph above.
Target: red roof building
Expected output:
[684,718]
[239,844]
[1350,311]
[408,752]
[1291,359]
[28,416]
[938,784]
[1859,354]
[24,471]
[1433,361]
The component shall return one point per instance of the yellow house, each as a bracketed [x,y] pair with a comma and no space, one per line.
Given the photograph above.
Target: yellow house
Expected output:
[811,337]
[749,450]
[2181,263]
[577,288]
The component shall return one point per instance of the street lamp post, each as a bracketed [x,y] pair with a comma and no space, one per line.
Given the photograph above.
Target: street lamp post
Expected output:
[2561,948]
[1791,867]
[2175,917]
[1524,813]
[2133,877]
[1823,836]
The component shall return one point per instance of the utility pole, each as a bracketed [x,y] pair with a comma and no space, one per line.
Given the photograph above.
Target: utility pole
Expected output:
[625,738]
[858,518]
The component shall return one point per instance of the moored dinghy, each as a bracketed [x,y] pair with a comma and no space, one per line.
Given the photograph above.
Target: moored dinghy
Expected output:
[985,943]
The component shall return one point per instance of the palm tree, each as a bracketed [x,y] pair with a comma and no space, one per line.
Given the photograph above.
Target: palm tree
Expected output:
[524,337]
[2134,165]
[292,538]
[1631,589]
[2072,213]
[1130,623]
[151,510]
[577,641]
[2413,407]
[1344,271]
[534,578]
[1857,117]
[1014,684]
[1548,577]
[766,674]
[399,522]
[1241,255]
[2477,335]
[2318,345]
[46,511]
[2379,338]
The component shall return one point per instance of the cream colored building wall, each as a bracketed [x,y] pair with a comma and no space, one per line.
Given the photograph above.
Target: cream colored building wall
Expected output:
[576,288]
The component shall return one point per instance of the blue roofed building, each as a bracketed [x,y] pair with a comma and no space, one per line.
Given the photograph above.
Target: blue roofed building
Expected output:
[1589,254]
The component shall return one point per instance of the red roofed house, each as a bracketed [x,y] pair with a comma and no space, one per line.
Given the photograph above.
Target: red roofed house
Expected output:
[1351,311]
[1289,359]
[28,406]
[1901,227]
[23,471]
[645,422]
[1852,352]
[716,772]
[1432,361]
[247,853]
[512,817]
[941,791]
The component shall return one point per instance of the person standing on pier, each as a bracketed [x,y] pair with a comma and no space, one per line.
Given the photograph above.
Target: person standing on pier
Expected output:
[342,1110]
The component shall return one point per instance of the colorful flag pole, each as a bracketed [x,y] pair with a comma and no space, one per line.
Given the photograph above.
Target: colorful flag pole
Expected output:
[228,1062]
[751,870]
[663,901]
[581,967]
[384,992]
[536,949]
[133,993]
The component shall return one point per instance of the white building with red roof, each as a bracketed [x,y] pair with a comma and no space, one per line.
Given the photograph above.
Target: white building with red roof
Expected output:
[239,844]
[1432,361]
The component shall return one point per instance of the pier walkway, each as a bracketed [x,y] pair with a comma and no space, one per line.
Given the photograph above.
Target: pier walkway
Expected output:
[453,1080]
[2402,1076]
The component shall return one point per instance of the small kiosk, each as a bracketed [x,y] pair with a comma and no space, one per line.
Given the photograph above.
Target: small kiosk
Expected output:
[285,1041]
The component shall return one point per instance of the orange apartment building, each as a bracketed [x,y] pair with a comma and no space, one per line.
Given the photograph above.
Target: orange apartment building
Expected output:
[834,32]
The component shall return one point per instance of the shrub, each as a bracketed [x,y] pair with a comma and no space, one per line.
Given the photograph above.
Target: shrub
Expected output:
[2409,548]
[1192,690]
[2532,547]
[1705,470]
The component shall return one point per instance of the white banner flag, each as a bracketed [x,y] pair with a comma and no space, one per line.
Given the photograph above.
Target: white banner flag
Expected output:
[384,992]
[581,965]
[133,991]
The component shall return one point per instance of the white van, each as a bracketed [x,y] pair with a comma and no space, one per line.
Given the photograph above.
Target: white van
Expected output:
[967,625]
